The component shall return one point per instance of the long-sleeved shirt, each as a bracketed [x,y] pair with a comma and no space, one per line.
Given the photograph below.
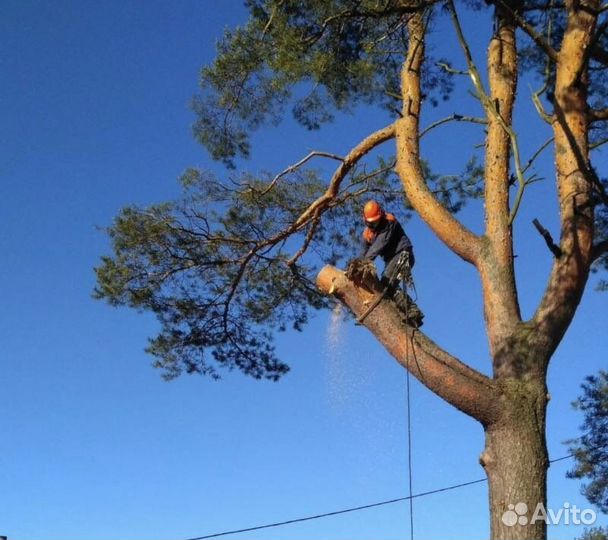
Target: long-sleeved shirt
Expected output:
[387,240]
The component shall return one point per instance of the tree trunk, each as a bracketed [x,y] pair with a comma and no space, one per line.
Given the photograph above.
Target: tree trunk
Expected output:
[515,460]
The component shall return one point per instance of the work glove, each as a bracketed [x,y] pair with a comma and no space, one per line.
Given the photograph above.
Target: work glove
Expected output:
[361,271]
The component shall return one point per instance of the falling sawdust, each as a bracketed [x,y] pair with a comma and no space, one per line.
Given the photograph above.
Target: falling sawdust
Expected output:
[346,374]
[335,333]
[337,373]
[351,394]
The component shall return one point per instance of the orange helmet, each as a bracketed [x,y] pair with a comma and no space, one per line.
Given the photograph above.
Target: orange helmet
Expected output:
[372,211]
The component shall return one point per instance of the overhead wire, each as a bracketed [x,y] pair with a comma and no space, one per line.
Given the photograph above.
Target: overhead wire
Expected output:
[410,497]
[356,508]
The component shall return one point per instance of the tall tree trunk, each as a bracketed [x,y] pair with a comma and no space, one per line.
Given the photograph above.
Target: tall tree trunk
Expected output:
[515,460]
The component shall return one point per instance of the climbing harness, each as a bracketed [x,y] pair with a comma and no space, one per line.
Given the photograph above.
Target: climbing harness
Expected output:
[400,274]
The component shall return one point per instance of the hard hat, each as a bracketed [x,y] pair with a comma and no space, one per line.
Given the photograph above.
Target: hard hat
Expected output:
[372,211]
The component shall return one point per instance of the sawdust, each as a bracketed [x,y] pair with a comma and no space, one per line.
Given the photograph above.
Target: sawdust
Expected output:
[337,371]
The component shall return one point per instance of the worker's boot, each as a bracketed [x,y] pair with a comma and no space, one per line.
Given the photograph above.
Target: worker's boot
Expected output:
[413,316]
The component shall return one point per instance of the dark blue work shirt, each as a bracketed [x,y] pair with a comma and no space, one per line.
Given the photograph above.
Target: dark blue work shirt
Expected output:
[387,240]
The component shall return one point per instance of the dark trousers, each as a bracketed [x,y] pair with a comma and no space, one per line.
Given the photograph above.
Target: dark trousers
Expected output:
[398,289]
[389,267]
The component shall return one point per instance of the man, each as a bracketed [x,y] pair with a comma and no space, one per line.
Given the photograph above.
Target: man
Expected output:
[384,236]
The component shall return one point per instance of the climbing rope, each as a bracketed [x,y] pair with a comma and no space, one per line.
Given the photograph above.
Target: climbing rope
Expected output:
[409,450]
[408,282]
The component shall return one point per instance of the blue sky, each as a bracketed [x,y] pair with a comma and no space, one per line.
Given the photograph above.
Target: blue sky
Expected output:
[94,108]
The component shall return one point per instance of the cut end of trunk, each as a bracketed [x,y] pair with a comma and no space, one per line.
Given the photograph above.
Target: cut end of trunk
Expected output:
[326,279]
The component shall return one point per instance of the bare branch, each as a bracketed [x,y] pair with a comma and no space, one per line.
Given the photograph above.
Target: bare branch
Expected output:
[351,159]
[307,241]
[454,117]
[449,69]
[491,109]
[547,73]
[539,106]
[557,252]
[472,68]
[536,154]
[599,249]
[598,144]
[460,385]
[296,166]
[598,115]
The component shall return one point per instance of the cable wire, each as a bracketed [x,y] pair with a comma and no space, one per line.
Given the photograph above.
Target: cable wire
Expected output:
[338,512]
[356,508]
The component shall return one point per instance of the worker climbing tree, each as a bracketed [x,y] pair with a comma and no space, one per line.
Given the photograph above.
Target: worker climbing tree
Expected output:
[235,260]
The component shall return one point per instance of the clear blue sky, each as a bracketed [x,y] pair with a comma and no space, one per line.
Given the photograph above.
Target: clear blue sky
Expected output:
[94,111]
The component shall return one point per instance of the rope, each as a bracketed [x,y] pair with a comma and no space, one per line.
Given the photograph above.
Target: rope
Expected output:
[407,281]
[409,447]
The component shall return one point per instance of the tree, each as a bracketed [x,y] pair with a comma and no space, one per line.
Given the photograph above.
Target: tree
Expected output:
[591,450]
[232,262]
[595,533]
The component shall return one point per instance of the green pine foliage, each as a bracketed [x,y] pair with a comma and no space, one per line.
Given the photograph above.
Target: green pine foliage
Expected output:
[227,265]
[591,450]
[601,226]
[595,533]
[214,265]
[315,57]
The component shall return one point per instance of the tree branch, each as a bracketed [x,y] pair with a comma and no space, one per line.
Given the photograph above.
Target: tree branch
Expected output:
[547,73]
[545,116]
[460,385]
[537,153]
[599,249]
[575,182]
[553,247]
[597,144]
[307,241]
[311,214]
[501,308]
[363,148]
[454,117]
[598,115]
[316,209]
[296,166]
[492,111]
[453,233]
[528,29]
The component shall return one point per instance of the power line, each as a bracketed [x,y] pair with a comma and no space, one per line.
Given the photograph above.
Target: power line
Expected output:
[338,512]
[356,508]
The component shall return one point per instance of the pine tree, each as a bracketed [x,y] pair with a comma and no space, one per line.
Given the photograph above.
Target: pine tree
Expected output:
[591,449]
[233,262]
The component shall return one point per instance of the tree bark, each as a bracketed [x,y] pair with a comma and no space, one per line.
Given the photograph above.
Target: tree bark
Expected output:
[511,409]
[515,460]
[460,385]
[511,406]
